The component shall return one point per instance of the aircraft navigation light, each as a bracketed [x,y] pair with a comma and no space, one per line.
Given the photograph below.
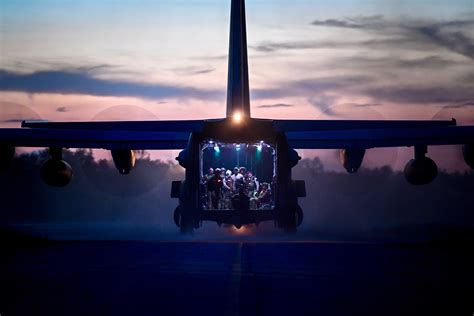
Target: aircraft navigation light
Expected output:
[237,117]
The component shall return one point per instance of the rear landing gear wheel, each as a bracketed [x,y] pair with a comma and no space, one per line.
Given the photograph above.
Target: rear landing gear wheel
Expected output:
[288,222]
[177,216]
[299,216]
[291,220]
[186,225]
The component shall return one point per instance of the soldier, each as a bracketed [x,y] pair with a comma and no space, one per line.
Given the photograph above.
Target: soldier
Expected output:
[228,186]
[214,187]
[251,184]
[205,196]
[265,196]
[240,201]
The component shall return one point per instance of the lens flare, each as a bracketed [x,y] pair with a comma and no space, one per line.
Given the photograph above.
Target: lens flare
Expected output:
[237,117]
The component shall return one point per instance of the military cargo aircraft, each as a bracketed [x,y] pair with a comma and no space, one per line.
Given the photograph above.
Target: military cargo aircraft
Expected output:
[238,130]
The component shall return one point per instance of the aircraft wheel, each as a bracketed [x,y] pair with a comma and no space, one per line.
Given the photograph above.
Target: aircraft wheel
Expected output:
[289,222]
[186,224]
[177,216]
[299,216]
[290,228]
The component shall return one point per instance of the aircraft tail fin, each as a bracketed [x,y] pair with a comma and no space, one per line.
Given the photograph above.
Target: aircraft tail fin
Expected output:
[238,99]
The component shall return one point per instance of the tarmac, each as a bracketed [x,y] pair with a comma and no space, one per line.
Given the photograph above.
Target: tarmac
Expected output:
[236,278]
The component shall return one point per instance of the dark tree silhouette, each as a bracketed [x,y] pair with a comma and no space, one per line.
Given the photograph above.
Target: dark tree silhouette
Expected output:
[374,203]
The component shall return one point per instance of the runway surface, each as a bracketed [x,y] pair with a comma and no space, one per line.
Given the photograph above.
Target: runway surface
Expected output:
[235,278]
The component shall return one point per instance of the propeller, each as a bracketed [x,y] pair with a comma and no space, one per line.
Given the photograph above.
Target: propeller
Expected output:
[374,158]
[12,114]
[99,169]
[451,157]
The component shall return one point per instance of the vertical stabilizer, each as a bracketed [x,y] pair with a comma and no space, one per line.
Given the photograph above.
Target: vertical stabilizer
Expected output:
[238,100]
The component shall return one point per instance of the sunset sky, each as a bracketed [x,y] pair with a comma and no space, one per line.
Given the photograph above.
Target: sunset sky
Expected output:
[132,60]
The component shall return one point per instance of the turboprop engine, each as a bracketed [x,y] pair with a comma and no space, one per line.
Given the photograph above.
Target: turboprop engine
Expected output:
[351,158]
[183,158]
[56,172]
[421,170]
[124,160]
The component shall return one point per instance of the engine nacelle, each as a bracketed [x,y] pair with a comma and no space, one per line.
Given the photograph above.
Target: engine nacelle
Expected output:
[183,158]
[124,160]
[6,157]
[421,171]
[468,153]
[56,173]
[352,158]
[293,157]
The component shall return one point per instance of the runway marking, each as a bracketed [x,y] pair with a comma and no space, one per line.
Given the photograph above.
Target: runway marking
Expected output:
[234,291]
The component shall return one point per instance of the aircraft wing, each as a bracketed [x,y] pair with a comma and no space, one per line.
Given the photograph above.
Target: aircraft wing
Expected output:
[370,134]
[301,134]
[105,135]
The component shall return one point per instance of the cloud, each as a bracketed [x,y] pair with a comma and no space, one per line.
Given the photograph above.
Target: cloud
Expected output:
[192,71]
[456,41]
[278,105]
[429,62]
[404,33]
[460,105]
[380,43]
[361,105]
[94,68]
[314,86]
[362,60]
[25,66]
[399,60]
[452,35]
[68,82]
[269,46]
[334,23]
[61,109]
[212,57]
[469,77]
[353,23]
[422,95]
[320,91]
[324,103]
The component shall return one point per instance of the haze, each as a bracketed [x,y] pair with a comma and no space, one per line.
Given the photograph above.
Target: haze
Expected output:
[69,60]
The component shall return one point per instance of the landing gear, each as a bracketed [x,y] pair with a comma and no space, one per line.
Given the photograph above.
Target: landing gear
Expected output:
[186,224]
[291,219]
[299,216]
[177,216]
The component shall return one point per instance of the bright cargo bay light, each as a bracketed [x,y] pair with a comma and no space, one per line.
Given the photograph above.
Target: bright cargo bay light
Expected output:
[237,117]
